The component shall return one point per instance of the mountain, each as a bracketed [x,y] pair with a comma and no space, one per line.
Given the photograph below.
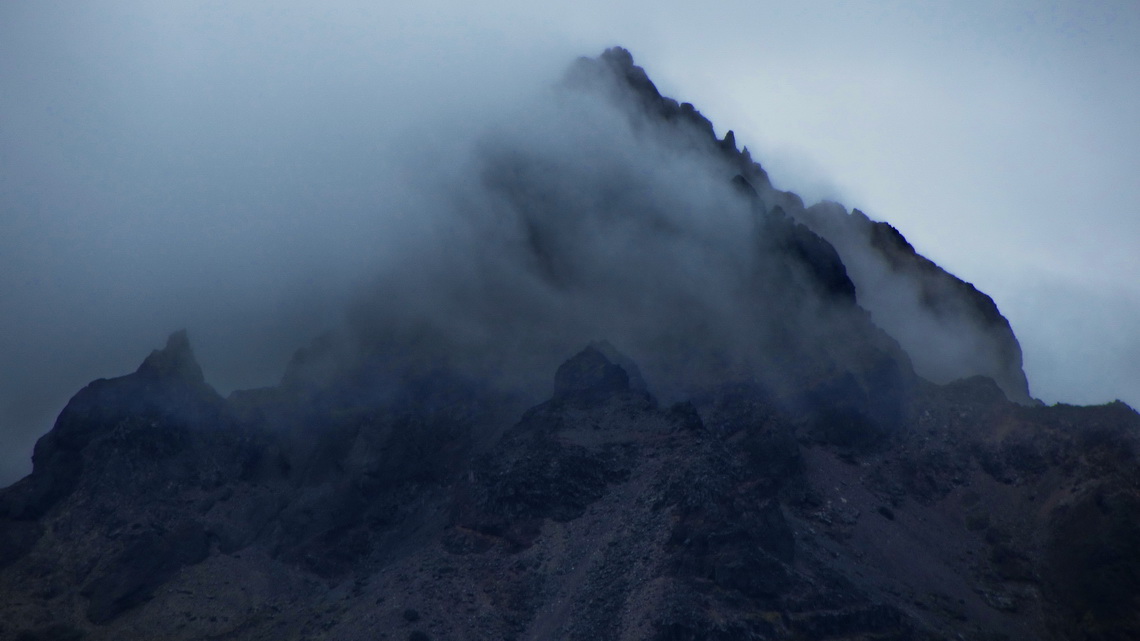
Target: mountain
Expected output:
[645,394]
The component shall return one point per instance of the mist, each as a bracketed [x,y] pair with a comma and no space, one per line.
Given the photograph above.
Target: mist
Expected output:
[236,172]
[256,173]
[579,214]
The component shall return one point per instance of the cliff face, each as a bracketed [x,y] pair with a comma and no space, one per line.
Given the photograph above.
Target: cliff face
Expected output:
[598,513]
[766,464]
[949,328]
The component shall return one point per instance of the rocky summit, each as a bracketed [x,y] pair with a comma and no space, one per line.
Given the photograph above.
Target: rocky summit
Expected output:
[831,438]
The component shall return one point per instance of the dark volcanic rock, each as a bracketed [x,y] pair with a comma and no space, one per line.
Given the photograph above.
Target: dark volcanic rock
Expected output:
[149,561]
[589,376]
[167,389]
[564,454]
[599,513]
[17,537]
[949,328]
[55,632]
[174,362]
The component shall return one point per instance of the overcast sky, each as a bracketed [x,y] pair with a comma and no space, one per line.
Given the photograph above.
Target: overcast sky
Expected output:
[231,167]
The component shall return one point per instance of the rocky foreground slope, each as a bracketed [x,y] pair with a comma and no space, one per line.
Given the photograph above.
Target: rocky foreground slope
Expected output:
[157,510]
[807,471]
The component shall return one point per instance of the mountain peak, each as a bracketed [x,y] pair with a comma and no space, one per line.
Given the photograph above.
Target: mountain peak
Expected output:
[175,361]
[619,57]
[589,374]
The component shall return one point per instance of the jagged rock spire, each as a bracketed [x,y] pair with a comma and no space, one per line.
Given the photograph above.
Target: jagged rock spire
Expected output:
[589,374]
[176,361]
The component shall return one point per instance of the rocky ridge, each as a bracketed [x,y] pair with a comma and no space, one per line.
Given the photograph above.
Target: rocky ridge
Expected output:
[598,513]
[949,329]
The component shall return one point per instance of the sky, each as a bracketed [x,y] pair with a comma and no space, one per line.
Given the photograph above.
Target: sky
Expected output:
[236,168]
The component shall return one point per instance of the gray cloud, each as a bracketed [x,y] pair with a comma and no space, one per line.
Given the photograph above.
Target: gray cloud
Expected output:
[231,170]
[569,219]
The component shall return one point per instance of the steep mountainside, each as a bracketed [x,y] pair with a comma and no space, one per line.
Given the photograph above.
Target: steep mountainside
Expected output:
[764,451]
[948,328]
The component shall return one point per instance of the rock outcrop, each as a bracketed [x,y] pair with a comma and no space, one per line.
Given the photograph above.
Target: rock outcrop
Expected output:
[949,328]
[598,513]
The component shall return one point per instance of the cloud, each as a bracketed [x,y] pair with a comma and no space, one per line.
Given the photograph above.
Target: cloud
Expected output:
[232,170]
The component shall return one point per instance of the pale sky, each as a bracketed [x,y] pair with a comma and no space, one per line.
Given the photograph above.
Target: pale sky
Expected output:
[222,168]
